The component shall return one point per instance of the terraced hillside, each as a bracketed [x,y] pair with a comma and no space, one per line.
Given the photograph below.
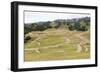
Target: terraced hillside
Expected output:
[57,44]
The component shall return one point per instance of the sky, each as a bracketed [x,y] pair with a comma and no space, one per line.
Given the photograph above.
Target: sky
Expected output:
[32,17]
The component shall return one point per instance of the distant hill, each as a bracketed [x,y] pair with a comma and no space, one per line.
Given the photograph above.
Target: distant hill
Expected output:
[78,24]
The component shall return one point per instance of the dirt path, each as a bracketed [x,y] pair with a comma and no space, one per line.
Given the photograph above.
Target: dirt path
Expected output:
[67,40]
[79,48]
[84,40]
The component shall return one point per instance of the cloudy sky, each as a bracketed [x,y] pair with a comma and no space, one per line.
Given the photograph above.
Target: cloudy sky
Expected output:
[31,17]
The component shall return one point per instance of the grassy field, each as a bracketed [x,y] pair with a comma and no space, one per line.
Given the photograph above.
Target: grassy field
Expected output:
[57,44]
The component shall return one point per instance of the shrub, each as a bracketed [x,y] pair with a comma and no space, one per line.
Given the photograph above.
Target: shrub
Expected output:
[27,38]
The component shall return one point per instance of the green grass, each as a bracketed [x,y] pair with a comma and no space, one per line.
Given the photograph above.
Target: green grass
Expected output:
[66,50]
[55,56]
[46,41]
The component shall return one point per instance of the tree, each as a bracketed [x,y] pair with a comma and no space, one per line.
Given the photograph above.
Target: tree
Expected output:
[83,26]
[27,38]
[27,30]
[71,26]
[78,24]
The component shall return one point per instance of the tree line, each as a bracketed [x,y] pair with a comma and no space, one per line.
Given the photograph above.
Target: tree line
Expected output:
[78,24]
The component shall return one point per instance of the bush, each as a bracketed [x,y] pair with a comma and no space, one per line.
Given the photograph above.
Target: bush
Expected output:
[27,38]
[71,27]
[83,26]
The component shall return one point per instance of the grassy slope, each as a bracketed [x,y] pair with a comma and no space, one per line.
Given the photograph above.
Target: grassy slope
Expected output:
[67,49]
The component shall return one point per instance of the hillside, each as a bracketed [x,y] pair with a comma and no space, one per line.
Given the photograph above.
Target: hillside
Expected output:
[78,24]
[57,44]
[60,39]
